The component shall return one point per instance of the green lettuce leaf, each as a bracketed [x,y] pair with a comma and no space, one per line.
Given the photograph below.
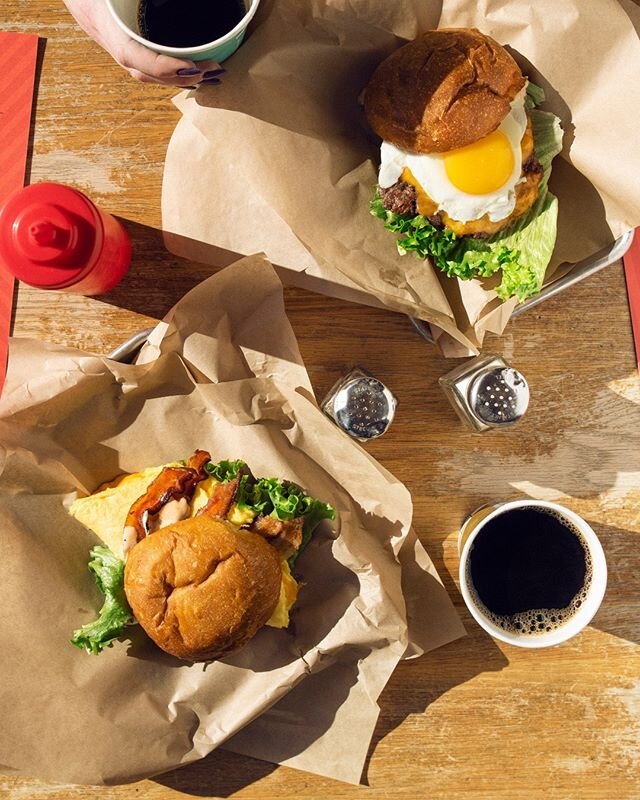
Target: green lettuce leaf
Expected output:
[225,471]
[521,252]
[315,512]
[115,614]
[285,500]
[273,497]
[534,96]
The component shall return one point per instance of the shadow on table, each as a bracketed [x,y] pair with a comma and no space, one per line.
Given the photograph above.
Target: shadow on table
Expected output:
[220,774]
[156,279]
[42,46]
[618,614]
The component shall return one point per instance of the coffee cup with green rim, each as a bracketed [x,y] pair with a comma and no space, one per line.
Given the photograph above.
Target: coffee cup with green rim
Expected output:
[126,15]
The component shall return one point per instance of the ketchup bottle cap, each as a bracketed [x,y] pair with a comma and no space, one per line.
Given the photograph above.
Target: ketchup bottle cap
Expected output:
[48,235]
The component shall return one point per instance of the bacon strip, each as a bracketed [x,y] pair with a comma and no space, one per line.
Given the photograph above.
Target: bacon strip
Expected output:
[285,534]
[221,500]
[173,483]
[198,461]
[224,495]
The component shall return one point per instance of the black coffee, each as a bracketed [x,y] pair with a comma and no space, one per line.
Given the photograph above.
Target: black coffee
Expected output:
[529,569]
[188,23]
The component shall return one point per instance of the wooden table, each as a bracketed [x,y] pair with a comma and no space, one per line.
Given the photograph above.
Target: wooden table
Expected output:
[474,719]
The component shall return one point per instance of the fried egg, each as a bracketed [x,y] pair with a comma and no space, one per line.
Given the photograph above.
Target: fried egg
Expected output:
[471,181]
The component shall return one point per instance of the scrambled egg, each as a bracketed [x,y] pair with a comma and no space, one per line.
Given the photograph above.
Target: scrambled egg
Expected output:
[201,496]
[288,595]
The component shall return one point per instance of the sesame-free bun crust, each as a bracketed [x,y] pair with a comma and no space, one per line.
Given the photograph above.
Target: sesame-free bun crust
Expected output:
[202,587]
[446,89]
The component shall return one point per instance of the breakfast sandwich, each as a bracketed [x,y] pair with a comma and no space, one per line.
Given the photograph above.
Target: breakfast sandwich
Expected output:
[465,159]
[200,554]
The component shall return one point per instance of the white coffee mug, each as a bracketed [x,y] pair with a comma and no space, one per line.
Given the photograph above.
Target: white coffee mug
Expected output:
[579,619]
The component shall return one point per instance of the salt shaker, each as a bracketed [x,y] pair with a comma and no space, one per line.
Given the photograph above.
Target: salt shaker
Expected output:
[361,405]
[486,393]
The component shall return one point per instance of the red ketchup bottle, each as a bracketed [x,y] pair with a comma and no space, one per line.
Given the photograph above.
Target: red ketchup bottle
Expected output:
[53,237]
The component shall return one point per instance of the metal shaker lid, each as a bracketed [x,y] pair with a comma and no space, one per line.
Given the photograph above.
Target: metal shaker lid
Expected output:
[499,396]
[361,405]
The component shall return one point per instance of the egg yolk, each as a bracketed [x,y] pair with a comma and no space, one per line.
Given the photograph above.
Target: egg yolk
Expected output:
[481,167]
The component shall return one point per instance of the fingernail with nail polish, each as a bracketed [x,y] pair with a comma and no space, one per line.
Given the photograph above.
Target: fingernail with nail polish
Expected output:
[184,73]
[210,82]
[212,73]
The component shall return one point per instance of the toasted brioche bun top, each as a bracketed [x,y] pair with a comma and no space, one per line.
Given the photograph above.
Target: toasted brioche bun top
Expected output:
[446,89]
[202,587]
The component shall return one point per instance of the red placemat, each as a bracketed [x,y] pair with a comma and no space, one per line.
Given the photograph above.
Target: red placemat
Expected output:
[18,57]
[631,261]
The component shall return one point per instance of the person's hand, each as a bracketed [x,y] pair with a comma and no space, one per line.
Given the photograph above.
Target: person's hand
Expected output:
[141,63]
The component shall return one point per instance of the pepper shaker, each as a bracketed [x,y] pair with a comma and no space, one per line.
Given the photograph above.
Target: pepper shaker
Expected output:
[361,405]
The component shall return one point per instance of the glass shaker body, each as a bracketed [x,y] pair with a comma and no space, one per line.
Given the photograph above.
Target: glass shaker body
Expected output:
[486,393]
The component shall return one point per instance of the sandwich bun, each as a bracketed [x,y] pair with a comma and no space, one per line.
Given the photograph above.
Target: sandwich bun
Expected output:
[202,587]
[446,89]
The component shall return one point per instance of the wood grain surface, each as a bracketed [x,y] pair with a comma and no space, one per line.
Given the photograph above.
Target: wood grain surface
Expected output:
[475,719]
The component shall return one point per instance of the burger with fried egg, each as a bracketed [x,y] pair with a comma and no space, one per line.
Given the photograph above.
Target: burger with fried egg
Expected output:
[465,159]
[199,554]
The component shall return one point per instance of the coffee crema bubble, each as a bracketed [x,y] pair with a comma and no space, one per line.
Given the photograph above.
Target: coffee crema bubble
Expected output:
[529,570]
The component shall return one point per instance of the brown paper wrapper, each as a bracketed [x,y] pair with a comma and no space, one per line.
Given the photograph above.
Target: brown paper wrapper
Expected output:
[279,157]
[222,373]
